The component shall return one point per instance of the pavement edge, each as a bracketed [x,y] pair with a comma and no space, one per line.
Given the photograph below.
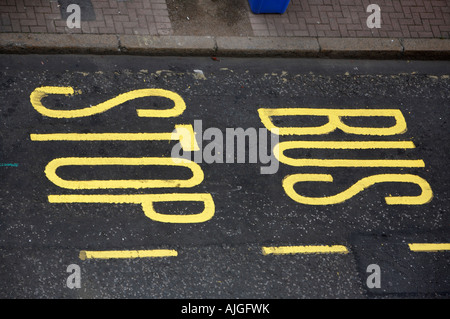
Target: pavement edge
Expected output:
[359,48]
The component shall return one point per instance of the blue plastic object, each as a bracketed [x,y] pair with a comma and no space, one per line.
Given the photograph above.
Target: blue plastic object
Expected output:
[268,6]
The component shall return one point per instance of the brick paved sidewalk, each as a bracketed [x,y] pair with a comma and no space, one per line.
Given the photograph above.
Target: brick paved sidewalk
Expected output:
[347,18]
[145,17]
[305,18]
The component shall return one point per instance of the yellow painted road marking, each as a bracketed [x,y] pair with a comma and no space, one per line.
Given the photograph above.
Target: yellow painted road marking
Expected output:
[50,171]
[334,121]
[321,249]
[127,254]
[425,197]
[279,149]
[101,137]
[183,133]
[38,94]
[303,162]
[345,144]
[147,201]
[429,247]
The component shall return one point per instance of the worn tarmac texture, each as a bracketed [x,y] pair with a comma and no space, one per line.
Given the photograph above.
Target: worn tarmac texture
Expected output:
[221,258]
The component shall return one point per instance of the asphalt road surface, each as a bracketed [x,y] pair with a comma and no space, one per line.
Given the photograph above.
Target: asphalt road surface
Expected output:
[357,206]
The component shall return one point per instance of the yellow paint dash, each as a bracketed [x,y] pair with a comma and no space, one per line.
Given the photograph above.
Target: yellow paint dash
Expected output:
[101,136]
[322,249]
[429,247]
[127,254]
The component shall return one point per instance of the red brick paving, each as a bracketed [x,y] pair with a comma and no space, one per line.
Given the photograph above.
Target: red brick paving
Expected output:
[146,17]
[308,18]
[347,18]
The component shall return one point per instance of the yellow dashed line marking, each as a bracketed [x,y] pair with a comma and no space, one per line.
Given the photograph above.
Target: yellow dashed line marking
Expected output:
[284,250]
[429,247]
[127,254]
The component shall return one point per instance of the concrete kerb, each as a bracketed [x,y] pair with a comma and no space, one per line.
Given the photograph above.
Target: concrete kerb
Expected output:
[370,48]
[167,45]
[363,48]
[39,43]
[426,49]
[267,46]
